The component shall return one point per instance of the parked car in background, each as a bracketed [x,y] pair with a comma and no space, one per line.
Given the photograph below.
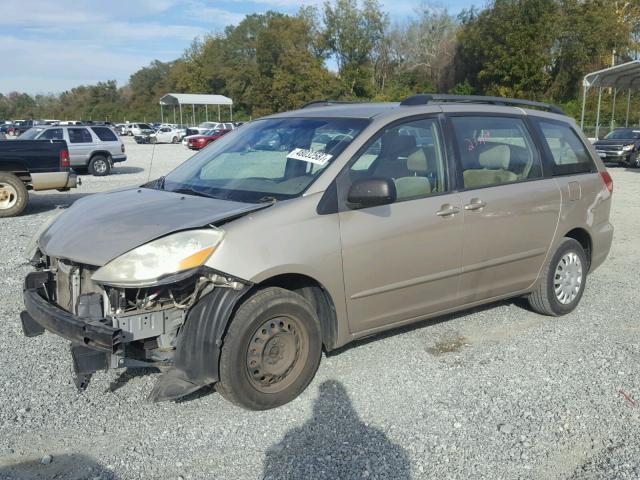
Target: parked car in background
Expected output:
[32,165]
[198,142]
[70,122]
[621,146]
[91,148]
[7,129]
[165,135]
[243,264]
[140,128]
[205,126]
[144,134]
[3,136]
[22,126]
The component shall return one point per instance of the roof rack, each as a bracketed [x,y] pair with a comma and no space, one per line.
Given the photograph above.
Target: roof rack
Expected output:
[326,103]
[423,99]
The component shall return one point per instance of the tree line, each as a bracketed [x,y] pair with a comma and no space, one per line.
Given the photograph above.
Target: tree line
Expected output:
[350,50]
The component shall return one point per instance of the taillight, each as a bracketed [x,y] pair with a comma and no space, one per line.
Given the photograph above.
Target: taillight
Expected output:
[608,181]
[64,158]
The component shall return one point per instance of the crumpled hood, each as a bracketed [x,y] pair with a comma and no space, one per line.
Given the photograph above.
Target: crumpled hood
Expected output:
[98,228]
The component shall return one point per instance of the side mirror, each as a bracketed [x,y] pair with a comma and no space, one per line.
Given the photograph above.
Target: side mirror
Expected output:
[372,192]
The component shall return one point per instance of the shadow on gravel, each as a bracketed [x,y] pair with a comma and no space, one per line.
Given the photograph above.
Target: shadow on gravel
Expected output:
[335,443]
[129,374]
[519,302]
[69,467]
[43,202]
[126,170]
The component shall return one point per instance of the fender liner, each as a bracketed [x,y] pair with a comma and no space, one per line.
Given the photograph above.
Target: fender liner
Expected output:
[198,347]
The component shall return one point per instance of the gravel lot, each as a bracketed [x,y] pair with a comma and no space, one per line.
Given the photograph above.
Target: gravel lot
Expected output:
[498,392]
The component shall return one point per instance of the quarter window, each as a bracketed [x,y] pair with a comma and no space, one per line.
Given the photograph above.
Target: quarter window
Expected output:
[79,135]
[410,154]
[567,150]
[105,134]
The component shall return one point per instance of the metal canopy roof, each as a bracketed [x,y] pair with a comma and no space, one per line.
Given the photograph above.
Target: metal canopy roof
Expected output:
[194,99]
[623,76]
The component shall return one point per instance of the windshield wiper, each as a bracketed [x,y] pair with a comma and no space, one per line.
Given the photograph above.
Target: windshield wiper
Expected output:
[191,191]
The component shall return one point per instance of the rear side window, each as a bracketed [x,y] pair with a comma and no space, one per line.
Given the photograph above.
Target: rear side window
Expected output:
[568,153]
[79,135]
[495,151]
[105,134]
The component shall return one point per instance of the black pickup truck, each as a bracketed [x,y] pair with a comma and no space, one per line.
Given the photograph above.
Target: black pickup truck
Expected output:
[32,165]
[621,146]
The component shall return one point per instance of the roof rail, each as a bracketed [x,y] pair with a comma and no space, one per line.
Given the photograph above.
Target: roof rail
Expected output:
[326,103]
[423,99]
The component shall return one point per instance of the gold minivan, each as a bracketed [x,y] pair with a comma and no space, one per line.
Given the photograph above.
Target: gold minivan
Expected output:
[307,230]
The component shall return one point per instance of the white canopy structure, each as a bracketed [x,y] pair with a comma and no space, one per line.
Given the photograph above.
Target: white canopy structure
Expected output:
[625,76]
[193,99]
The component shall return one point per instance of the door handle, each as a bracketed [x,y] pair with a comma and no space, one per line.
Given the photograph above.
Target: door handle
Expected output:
[446,210]
[475,204]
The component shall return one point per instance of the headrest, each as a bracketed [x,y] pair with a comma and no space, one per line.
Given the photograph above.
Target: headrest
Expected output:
[397,145]
[417,161]
[495,157]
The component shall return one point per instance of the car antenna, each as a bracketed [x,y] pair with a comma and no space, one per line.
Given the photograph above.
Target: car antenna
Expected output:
[153,152]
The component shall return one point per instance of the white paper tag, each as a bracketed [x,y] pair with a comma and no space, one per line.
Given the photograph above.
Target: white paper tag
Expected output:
[319,158]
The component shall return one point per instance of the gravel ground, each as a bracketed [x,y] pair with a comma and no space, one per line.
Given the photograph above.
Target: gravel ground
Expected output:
[497,392]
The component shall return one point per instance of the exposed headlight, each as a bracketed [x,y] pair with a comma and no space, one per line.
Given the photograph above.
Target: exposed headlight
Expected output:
[628,148]
[145,265]
[32,244]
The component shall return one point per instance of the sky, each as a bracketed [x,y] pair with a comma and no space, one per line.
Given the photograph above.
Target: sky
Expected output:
[49,46]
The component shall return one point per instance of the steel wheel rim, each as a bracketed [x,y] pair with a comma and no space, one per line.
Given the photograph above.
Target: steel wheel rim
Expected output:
[276,353]
[100,166]
[8,196]
[568,278]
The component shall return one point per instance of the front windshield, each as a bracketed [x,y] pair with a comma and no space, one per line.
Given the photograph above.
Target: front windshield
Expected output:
[30,134]
[623,134]
[266,160]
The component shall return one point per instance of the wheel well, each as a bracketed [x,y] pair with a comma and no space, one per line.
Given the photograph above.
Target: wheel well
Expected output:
[317,295]
[583,238]
[101,153]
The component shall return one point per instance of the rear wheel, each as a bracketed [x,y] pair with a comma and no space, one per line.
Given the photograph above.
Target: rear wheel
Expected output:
[13,195]
[174,140]
[271,351]
[99,166]
[564,278]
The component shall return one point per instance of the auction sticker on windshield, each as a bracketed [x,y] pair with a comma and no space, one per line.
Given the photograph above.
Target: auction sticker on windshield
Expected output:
[319,158]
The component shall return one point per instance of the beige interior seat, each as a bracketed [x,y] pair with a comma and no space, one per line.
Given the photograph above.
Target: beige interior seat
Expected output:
[417,184]
[494,161]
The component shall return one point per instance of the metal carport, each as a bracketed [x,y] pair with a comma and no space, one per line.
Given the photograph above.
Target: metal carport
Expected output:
[625,76]
[193,99]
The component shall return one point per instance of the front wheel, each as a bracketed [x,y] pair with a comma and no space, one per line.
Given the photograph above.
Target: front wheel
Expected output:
[563,280]
[271,351]
[13,195]
[174,140]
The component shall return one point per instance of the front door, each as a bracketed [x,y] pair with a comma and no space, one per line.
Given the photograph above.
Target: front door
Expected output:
[401,261]
[511,210]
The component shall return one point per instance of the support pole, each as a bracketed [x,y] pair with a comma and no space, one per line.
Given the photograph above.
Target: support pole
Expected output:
[218,112]
[161,115]
[193,108]
[598,114]
[584,103]
[174,114]
[626,122]
[231,112]
[206,113]
[180,106]
[613,108]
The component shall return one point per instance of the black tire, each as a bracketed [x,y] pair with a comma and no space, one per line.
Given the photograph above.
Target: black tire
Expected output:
[286,324]
[174,140]
[153,140]
[13,195]
[634,160]
[544,299]
[99,166]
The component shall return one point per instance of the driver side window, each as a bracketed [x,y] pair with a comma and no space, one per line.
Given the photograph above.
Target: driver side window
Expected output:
[411,155]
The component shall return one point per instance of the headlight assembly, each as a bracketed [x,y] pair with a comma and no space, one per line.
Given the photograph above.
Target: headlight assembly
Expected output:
[145,265]
[628,148]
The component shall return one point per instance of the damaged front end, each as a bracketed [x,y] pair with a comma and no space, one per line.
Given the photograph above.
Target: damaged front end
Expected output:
[176,323]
